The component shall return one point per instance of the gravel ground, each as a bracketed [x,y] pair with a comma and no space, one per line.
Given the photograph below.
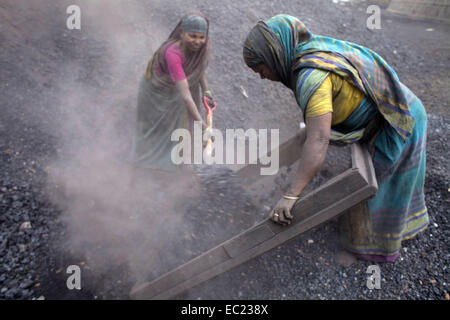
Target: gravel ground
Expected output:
[65,197]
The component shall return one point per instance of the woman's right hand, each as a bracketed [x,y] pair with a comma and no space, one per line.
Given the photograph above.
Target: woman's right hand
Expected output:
[281,214]
[206,135]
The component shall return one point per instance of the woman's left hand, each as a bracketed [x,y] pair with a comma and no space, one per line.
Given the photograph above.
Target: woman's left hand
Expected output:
[209,98]
[281,214]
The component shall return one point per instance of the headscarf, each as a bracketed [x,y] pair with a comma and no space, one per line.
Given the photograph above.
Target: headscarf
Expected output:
[194,23]
[286,46]
[193,66]
[271,46]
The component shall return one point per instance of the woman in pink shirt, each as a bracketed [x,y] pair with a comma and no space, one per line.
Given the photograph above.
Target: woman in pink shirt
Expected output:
[169,93]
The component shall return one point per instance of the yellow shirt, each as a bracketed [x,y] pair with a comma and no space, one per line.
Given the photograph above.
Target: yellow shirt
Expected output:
[334,95]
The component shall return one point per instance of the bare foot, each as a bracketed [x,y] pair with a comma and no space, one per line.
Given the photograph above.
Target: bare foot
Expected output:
[345,258]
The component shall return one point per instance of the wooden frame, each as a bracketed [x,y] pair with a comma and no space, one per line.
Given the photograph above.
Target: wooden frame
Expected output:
[289,152]
[342,192]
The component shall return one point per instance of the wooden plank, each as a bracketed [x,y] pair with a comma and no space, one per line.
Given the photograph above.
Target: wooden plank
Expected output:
[206,261]
[248,240]
[362,160]
[289,153]
[334,197]
[274,242]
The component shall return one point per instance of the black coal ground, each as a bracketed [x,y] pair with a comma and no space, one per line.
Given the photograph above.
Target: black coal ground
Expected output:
[34,256]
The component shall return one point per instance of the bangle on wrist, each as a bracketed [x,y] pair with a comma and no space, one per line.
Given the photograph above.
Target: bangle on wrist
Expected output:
[290,197]
[208,92]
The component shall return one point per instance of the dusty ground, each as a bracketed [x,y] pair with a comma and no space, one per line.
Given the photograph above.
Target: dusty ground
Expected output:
[68,103]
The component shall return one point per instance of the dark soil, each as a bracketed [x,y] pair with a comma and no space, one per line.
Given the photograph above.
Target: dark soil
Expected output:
[60,88]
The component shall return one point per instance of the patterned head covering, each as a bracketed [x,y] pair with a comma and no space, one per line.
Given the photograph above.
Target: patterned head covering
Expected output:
[274,45]
[286,47]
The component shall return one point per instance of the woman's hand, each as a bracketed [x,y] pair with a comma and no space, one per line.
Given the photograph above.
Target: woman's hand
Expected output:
[281,214]
[206,92]
[209,98]
[206,135]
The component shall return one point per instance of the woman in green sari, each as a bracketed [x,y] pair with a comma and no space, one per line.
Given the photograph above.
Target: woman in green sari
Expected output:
[169,93]
[348,93]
